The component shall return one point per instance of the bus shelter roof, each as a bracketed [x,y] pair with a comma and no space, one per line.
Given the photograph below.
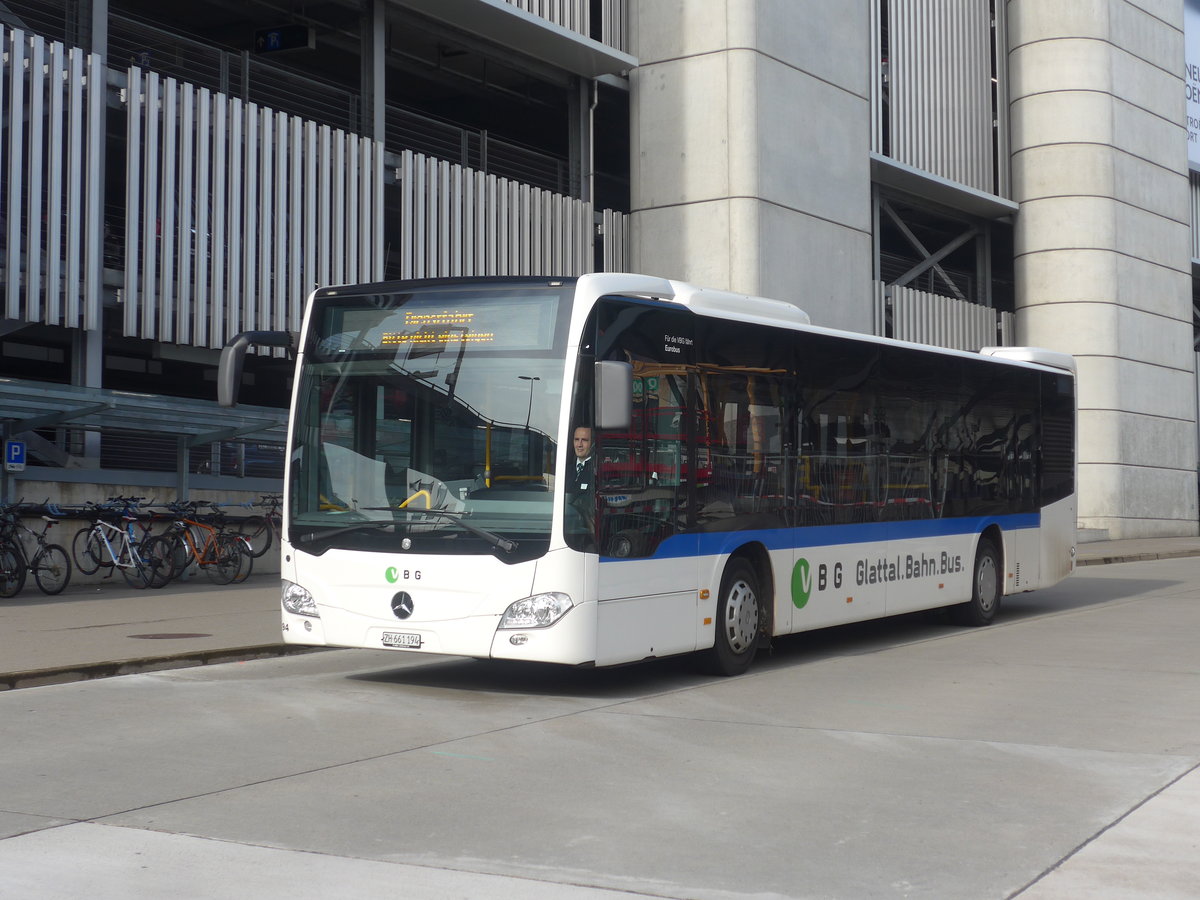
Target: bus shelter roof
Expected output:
[29,405]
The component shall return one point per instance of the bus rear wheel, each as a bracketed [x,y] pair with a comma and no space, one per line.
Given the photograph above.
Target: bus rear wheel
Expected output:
[739,617]
[986,587]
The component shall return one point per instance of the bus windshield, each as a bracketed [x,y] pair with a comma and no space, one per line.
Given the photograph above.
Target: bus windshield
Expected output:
[426,419]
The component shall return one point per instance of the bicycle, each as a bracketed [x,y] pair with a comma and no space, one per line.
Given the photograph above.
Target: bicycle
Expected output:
[87,562]
[117,547]
[50,564]
[225,557]
[260,531]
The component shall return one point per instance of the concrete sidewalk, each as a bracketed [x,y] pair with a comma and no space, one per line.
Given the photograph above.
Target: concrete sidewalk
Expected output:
[98,630]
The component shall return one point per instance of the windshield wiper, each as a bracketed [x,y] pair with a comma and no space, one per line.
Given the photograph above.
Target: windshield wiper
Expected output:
[321,533]
[500,543]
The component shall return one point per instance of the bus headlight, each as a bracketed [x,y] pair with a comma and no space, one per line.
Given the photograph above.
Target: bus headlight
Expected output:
[298,600]
[538,611]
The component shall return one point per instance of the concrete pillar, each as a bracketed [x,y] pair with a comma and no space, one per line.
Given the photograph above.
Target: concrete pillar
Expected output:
[1103,244]
[749,169]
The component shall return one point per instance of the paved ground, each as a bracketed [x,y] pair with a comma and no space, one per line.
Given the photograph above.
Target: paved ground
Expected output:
[1123,646]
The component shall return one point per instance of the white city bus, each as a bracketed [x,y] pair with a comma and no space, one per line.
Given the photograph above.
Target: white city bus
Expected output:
[754,475]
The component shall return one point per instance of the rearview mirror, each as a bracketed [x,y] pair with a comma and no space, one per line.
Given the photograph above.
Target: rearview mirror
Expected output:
[614,394]
[233,358]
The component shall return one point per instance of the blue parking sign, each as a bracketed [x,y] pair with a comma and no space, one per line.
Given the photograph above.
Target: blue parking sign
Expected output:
[14,456]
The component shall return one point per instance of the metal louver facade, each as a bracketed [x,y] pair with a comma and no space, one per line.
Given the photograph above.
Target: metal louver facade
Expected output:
[51,100]
[936,66]
[911,315]
[259,208]
[456,221]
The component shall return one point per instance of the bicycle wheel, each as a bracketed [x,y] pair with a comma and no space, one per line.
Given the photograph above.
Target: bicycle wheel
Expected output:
[51,569]
[12,571]
[98,549]
[156,556]
[82,547]
[246,562]
[258,531]
[227,559]
[136,574]
[179,554]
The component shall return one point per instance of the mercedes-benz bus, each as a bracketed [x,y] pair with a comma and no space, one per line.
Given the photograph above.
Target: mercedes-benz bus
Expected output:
[754,475]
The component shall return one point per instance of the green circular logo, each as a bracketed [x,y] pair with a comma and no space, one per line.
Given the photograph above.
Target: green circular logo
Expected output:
[392,574]
[801,583]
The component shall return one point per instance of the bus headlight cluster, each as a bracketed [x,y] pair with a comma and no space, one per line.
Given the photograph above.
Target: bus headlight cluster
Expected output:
[298,600]
[538,611]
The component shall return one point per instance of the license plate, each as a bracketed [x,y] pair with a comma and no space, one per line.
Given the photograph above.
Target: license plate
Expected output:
[401,639]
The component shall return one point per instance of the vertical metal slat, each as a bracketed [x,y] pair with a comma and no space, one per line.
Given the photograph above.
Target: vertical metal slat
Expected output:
[204,238]
[134,115]
[215,319]
[54,187]
[244,314]
[150,213]
[325,206]
[167,219]
[75,212]
[309,215]
[266,207]
[185,201]
[16,175]
[93,237]
[235,160]
[34,179]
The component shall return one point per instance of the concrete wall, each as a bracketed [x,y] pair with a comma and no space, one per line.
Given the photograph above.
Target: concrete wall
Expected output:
[750,131]
[1103,244]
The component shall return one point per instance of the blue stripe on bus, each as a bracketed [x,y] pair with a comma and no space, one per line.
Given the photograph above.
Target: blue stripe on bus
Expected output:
[715,543]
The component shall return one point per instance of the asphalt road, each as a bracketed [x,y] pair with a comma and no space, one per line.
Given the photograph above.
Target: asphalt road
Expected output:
[1054,754]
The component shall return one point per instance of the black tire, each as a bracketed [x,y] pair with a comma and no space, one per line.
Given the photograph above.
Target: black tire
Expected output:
[82,548]
[258,533]
[987,587]
[97,550]
[156,556]
[245,562]
[52,569]
[137,576]
[12,572]
[230,551]
[179,553]
[740,616]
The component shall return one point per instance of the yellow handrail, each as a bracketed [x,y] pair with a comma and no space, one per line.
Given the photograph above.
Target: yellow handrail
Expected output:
[428,499]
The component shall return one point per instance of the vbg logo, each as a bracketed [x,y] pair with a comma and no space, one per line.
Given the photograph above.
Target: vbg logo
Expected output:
[802,583]
[392,575]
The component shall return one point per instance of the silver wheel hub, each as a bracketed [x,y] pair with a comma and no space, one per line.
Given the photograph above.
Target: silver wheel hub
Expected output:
[985,583]
[741,617]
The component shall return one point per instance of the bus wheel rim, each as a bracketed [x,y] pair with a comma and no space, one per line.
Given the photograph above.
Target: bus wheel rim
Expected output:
[741,617]
[986,583]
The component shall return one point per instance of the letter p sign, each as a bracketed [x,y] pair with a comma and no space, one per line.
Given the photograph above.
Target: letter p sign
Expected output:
[14,456]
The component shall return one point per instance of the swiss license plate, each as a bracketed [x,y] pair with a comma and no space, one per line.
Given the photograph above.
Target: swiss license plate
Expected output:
[401,639]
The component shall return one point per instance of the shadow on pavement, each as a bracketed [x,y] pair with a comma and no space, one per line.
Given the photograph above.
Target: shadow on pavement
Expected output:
[674,673]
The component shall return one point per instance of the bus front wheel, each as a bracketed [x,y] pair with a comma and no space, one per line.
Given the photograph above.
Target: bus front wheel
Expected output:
[986,587]
[739,617]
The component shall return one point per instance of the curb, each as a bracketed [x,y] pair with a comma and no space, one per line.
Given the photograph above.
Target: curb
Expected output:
[1136,557]
[10,681]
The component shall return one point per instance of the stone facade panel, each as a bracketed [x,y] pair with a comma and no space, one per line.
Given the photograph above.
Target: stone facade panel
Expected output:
[681,127]
[1101,223]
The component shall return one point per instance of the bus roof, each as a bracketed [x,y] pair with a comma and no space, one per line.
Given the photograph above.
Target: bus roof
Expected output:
[783,314]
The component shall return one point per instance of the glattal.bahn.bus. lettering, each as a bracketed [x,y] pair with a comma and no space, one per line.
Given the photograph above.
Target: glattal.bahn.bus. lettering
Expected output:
[877,571]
